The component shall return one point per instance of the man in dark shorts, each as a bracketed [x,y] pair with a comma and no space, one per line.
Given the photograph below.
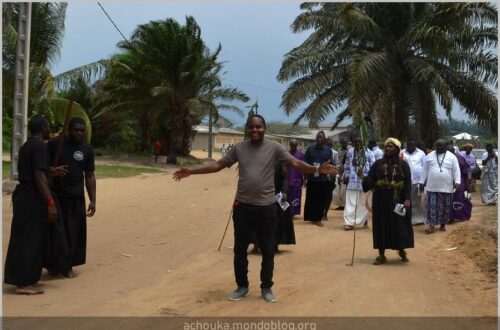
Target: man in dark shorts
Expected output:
[255,208]
[33,208]
[78,155]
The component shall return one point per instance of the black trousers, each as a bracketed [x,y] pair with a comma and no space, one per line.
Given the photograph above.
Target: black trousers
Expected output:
[316,196]
[75,223]
[262,221]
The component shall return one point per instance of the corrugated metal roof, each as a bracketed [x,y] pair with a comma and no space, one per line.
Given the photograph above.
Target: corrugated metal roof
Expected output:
[216,130]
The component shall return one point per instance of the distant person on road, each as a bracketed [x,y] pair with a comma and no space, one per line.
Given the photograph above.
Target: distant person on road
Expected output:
[318,185]
[471,161]
[33,209]
[416,159]
[158,149]
[340,199]
[375,149]
[255,207]
[295,180]
[440,176]
[461,206]
[331,179]
[223,150]
[355,212]
[489,188]
[285,232]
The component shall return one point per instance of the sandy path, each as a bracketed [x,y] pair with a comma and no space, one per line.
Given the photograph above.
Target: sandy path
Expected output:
[152,250]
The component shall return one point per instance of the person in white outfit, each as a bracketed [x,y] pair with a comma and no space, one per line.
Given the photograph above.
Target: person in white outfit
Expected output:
[355,211]
[416,159]
[440,176]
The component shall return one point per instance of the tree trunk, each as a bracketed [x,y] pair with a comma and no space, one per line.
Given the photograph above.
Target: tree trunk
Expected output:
[145,127]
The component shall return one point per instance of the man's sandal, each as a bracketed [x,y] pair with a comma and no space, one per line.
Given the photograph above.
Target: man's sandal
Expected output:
[380,260]
[403,256]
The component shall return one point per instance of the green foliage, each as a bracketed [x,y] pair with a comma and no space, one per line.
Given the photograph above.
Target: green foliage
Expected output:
[5,170]
[391,63]
[6,131]
[121,171]
[453,126]
[47,31]
[55,110]
[277,127]
[164,80]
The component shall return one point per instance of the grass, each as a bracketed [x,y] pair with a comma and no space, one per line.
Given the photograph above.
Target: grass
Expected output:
[101,171]
[121,171]
[5,170]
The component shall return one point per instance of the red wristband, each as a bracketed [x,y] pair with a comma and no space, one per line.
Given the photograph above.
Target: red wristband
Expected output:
[51,202]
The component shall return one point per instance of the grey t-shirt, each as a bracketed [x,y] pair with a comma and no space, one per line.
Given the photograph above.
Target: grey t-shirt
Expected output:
[256,165]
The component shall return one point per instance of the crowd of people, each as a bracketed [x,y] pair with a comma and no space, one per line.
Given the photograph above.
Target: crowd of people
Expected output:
[400,187]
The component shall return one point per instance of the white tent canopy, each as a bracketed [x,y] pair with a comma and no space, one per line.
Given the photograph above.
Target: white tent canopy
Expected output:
[465,136]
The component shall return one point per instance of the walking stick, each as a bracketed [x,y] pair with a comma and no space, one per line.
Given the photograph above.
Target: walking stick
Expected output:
[354,230]
[225,230]
[65,128]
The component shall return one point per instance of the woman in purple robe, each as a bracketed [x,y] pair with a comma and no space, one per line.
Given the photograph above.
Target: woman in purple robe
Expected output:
[461,207]
[295,180]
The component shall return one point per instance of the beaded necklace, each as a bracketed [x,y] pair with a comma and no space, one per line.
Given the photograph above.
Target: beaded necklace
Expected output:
[440,163]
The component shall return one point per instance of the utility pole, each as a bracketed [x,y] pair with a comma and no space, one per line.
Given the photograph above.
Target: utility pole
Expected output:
[20,115]
[210,133]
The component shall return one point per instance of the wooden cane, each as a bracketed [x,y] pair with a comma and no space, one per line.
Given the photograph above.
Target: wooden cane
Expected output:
[65,128]
[354,230]
[227,225]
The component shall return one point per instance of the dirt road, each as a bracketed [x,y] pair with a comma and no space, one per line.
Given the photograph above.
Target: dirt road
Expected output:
[152,251]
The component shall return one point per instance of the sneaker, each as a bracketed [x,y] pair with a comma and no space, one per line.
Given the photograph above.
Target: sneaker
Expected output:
[268,295]
[239,293]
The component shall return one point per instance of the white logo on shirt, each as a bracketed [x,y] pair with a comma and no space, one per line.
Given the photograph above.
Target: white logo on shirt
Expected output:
[78,155]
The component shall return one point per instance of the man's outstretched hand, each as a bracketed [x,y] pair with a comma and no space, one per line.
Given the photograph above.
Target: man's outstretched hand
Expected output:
[327,168]
[182,173]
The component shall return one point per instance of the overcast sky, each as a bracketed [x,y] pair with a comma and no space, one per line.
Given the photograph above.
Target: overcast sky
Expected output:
[254,39]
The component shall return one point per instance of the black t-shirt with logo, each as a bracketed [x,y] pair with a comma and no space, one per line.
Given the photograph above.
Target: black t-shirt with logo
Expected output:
[80,158]
[33,156]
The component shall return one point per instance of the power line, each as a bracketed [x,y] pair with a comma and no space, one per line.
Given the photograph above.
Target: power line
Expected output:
[239,82]
[116,27]
[244,83]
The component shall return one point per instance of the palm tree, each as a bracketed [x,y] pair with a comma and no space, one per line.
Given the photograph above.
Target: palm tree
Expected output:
[47,31]
[393,63]
[165,75]
[179,65]
[217,98]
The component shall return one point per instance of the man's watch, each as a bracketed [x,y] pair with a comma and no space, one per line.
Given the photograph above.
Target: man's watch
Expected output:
[317,170]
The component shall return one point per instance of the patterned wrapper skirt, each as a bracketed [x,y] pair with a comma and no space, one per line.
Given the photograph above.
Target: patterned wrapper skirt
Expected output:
[438,207]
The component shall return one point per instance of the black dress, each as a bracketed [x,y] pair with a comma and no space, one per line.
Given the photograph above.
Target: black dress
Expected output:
[285,233]
[28,235]
[391,184]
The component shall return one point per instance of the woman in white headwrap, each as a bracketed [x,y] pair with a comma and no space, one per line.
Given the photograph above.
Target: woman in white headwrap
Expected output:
[390,179]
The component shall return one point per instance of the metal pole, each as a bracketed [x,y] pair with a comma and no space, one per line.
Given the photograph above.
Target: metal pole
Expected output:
[20,113]
[210,133]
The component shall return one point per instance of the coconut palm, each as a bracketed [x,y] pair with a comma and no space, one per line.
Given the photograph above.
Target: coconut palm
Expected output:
[393,63]
[164,75]
[47,30]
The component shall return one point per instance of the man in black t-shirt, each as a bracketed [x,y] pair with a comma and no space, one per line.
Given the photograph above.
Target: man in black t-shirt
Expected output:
[33,207]
[78,155]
